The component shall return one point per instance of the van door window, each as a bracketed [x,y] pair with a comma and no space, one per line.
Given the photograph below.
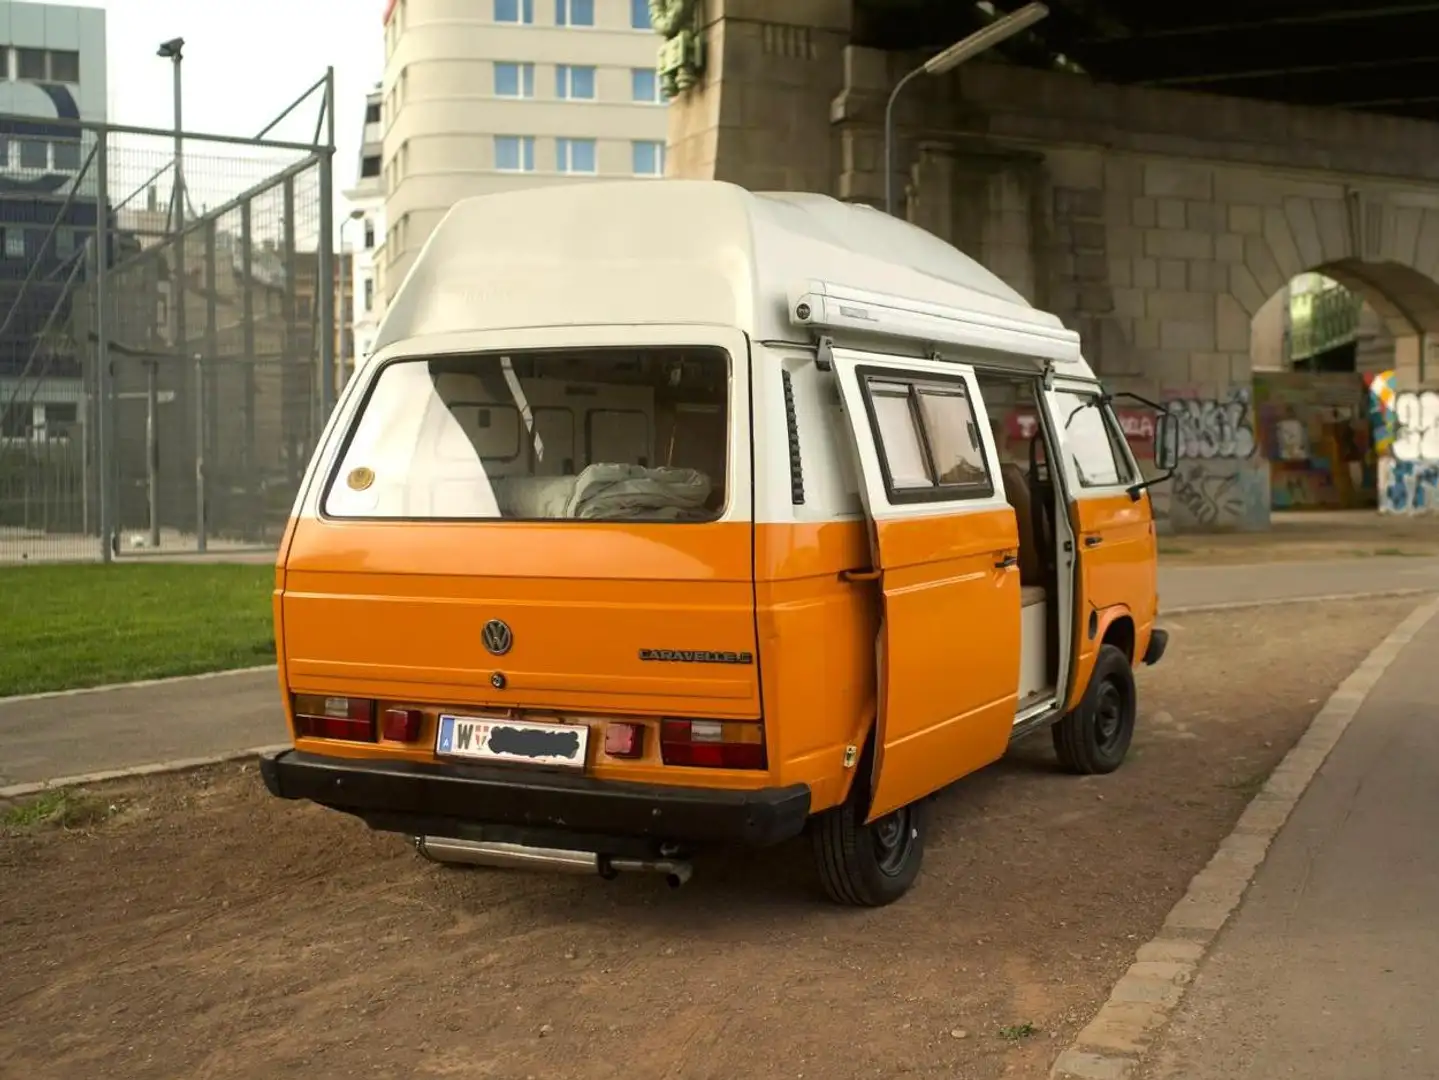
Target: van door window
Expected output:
[1092,440]
[492,436]
[929,445]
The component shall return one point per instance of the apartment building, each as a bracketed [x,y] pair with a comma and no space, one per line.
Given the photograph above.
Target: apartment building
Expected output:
[491,95]
[361,236]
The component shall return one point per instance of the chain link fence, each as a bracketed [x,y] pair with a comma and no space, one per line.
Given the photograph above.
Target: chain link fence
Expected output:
[167,341]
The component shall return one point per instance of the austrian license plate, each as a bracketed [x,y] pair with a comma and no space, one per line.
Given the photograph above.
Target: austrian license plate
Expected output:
[522,741]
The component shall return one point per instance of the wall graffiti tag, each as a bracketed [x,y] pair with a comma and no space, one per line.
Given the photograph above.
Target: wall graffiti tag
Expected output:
[1408,487]
[1215,428]
[1406,426]
[1207,499]
[1416,426]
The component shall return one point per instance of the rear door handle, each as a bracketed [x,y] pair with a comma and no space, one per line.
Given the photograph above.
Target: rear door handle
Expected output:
[1093,541]
[1007,562]
[859,575]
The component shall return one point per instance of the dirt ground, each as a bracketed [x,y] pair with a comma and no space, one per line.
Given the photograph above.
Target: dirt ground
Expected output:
[205,929]
[1305,536]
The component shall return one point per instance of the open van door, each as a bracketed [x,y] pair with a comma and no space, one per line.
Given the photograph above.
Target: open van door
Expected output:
[946,555]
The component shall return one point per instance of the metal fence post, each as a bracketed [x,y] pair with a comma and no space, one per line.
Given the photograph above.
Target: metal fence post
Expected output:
[325,269]
[105,416]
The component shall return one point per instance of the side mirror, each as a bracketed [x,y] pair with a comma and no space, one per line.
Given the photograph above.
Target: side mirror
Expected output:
[1166,442]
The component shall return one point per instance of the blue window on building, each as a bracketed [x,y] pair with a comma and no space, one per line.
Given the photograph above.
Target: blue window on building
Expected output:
[574,83]
[640,15]
[575,155]
[649,158]
[574,12]
[514,80]
[645,85]
[515,153]
[515,11]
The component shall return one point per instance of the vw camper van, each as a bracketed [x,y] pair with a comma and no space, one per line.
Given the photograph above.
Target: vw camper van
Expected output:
[668,515]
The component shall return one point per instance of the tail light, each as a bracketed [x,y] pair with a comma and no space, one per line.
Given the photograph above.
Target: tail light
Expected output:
[319,717]
[712,744]
[624,740]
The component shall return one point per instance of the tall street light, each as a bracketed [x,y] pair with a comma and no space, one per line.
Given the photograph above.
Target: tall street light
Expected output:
[174,51]
[1002,29]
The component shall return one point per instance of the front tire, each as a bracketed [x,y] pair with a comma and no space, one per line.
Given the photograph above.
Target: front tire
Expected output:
[1094,739]
[869,865]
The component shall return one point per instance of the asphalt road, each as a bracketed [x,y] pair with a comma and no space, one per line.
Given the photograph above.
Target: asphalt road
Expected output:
[50,737]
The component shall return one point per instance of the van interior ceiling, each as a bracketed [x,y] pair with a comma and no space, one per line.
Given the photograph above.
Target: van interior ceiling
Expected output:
[1018,428]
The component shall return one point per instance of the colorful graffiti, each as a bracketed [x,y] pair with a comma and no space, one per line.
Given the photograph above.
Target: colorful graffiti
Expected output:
[1406,425]
[1314,430]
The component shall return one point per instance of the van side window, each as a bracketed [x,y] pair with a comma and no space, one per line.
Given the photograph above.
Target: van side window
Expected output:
[1093,440]
[929,444]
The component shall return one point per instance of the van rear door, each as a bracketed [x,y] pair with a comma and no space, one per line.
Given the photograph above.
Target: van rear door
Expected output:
[557,528]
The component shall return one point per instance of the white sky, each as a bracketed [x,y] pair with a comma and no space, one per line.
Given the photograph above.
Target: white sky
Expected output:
[245,61]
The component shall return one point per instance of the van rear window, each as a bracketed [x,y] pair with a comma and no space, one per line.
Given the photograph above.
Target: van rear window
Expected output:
[591,434]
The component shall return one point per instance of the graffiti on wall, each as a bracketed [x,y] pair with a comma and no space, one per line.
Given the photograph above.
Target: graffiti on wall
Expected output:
[1215,427]
[1209,497]
[1314,429]
[1406,425]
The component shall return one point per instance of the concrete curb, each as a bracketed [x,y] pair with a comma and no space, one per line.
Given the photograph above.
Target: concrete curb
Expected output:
[140,685]
[23,791]
[1115,1041]
[1285,601]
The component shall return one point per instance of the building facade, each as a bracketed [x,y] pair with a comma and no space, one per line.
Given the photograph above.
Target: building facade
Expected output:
[52,73]
[361,236]
[483,96]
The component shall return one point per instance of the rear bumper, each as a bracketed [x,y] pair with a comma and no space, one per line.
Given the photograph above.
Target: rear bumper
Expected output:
[1158,642]
[402,796]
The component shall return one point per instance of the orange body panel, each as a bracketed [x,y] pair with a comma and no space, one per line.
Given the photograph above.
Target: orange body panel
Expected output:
[817,635]
[951,643]
[394,611]
[1117,577]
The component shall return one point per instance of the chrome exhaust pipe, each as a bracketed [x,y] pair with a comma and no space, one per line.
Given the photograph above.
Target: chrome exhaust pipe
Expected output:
[442,849]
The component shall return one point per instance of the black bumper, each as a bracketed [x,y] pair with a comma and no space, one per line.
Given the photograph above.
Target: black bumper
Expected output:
[402,796]
[1158,642]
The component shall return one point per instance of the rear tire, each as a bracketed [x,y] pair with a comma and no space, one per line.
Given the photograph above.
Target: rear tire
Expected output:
[869,865]
[1094,739]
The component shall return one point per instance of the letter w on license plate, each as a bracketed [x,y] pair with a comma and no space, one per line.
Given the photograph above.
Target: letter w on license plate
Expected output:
[523,741]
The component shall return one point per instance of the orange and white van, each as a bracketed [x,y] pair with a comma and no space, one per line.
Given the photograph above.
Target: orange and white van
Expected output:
[667,515]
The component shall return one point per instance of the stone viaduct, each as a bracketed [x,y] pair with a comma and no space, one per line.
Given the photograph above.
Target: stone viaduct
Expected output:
[1155,222]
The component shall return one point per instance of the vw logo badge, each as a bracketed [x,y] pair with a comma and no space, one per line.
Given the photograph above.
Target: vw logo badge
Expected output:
[497,637]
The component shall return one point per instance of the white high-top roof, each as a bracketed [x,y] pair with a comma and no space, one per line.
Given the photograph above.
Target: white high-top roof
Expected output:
[674,252]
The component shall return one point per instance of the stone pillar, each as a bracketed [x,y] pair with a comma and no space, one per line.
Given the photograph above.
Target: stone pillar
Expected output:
[759,113]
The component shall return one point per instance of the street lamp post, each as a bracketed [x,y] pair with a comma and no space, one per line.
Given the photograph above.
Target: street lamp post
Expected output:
[980,41]
[355,215]
[174,51]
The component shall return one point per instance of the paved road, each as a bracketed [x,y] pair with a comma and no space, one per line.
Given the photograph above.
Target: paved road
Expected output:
[47,738]
[1330,968]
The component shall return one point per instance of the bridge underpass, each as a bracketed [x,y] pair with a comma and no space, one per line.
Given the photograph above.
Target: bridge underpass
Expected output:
[1151,173]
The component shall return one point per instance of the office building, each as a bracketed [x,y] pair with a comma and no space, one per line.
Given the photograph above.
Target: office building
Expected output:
[482,96]
[361,235]
[52,73]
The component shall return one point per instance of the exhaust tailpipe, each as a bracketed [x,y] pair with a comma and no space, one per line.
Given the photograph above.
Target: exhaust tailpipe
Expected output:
[442,849]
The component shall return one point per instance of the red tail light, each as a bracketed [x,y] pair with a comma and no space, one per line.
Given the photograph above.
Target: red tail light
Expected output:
[401,725]
[319,717]
[712,744]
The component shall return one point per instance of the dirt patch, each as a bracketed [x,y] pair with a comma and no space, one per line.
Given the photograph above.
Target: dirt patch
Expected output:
[205,929]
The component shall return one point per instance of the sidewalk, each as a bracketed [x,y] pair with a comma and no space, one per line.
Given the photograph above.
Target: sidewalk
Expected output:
[1330,968]
[51,737]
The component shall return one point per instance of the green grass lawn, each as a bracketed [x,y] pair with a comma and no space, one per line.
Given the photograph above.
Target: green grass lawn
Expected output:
[63,627]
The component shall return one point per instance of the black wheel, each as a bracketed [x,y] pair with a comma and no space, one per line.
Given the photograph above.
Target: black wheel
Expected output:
[869,865]
[1095,737]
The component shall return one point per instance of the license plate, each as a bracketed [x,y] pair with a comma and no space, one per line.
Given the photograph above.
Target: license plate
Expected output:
[523,741]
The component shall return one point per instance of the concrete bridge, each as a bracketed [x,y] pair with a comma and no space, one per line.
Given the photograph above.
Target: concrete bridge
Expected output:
[1155,220]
